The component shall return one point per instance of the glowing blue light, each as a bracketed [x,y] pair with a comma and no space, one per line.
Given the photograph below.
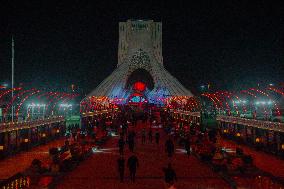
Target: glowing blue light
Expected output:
[135,99]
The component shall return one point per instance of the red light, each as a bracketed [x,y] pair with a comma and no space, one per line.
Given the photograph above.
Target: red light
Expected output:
[139,86]
[136,94]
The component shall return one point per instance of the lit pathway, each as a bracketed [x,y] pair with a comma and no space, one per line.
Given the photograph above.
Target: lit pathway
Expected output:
[262,160]
[100,170]
[19,162]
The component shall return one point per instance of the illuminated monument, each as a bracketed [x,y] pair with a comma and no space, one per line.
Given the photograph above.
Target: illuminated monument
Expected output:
[140,74]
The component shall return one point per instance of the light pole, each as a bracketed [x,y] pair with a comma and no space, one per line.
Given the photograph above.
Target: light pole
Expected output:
[33,110]
[43,111]
[13,53]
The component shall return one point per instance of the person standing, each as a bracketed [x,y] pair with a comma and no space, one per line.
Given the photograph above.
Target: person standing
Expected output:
[157,137]
[121,144]
[170,147]
[170,176]
[132,164]
[66,146]
[121,163]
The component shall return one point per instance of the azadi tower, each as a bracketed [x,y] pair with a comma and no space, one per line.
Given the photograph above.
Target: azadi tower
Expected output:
[140,74]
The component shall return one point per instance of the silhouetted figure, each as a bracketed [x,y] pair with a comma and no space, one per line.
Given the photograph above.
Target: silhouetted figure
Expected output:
[124,129]
[74,134]
[131,145]
[150,135]
[54,167]
[66,146]
[170,147]
[121,144]
[135,121]
[121,163]
[187,146]
[143,136]
[122,134]
[131,142]
[157,137]
[170,175]
[132,164]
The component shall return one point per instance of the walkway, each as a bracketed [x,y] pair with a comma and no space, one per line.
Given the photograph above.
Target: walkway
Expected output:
[100,170]
[19,162]
[266,162]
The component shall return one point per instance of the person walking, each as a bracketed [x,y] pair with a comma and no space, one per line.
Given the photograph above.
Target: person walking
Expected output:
[170,176]
[132,165]
[169,147]
[150,135]
[131,142]
[124,129]
[157,137]
[187,146]
[143,135]
[121,144]
[135,121]
[121,163]
[74,135]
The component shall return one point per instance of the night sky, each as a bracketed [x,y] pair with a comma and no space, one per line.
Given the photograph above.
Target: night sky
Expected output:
[232,45]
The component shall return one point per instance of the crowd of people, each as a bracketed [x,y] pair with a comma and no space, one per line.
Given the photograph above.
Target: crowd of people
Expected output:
[193,141]
[129,136]
[203,143]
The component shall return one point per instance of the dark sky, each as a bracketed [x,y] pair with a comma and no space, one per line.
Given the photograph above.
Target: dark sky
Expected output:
[231,45]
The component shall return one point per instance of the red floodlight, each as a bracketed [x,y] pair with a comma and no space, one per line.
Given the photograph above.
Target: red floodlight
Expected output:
[139,86]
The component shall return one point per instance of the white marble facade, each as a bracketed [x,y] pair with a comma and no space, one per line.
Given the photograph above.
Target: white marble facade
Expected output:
[140,46]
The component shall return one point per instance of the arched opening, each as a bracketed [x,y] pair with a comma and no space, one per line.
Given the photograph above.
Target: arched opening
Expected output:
[140,76]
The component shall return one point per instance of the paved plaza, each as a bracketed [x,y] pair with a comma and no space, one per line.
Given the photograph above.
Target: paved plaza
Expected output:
[100,170]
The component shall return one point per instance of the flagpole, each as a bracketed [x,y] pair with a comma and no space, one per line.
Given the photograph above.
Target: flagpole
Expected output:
[13,53]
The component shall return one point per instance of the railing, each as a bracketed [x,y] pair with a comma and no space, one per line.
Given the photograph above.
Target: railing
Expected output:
[6,127]
[195,114]
[275,126]
[97,112]
[18,181]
